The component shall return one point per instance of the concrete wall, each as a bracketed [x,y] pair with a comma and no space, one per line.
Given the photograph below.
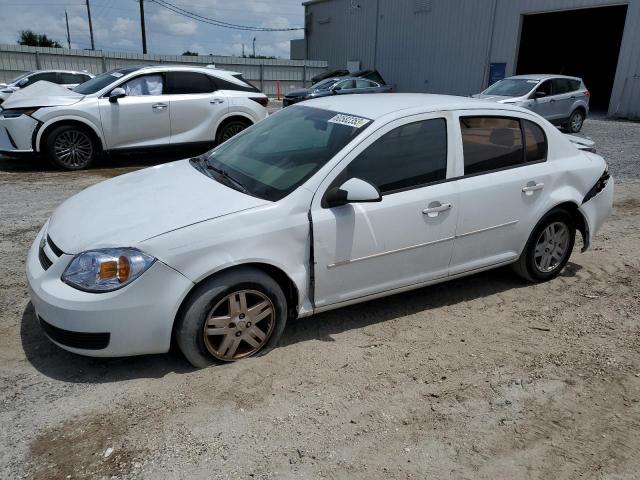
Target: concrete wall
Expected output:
[264,73]
[445,46]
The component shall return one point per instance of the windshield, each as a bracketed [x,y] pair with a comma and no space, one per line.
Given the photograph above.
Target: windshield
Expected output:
[18,78]
[324,84]
[277,155]
[511,87]
[101,81]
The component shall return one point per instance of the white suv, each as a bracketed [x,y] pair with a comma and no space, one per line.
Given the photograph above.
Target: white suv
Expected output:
[129,108]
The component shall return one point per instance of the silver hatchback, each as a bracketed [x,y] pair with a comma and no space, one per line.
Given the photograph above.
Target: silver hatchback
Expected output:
[562,100]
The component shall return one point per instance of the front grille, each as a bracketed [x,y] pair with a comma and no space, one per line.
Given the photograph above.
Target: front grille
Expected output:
[85,341]
[44,260]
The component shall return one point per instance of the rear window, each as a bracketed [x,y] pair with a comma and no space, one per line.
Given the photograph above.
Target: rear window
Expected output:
[535,141]
[223,84]
[189,82]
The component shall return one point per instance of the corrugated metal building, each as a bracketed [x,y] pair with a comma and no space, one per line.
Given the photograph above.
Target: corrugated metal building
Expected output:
[456,46]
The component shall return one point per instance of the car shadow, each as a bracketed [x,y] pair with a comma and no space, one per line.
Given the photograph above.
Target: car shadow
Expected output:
[54,362]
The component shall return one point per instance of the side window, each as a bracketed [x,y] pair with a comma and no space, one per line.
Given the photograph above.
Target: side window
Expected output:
[365,84]
[546,87]
[71,78]
[189,82]
[344,85]
[561,85]
[490,143]
[144,85]
[535,141]
[408,156]
[575,85]
[46,76]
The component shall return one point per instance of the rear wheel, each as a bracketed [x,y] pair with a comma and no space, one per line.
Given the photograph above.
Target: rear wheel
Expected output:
[235,315]
[70,147]
[548,248]
[230,130]
[576,120]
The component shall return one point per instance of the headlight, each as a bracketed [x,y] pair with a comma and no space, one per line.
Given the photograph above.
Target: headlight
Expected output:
[107,269]
[16,112]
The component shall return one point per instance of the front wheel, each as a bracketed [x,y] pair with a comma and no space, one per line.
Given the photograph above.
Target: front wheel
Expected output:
[234,315]
[576,120]
[71,147]
[548,248]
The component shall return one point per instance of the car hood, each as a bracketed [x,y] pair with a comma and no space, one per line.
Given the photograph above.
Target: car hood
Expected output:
[131,208]
[42,94]
[300,92]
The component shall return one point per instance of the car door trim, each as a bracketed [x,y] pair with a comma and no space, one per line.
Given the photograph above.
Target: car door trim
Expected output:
[381,254]
[487,229]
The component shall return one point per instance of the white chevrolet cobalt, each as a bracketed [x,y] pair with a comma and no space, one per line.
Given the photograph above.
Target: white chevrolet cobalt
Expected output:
[324,204]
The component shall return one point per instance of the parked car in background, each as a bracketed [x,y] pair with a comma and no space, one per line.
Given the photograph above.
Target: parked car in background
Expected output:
[323,204]
[129,108]
[66,78]
[562,100]
[368,74]
[335,86]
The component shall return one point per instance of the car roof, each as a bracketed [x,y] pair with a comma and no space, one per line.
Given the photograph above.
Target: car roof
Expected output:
[542,76]
[46,70]
[187,68]
[387,103]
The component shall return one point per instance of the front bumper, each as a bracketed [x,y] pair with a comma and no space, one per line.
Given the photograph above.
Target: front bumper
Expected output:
[135,320]
[16,134]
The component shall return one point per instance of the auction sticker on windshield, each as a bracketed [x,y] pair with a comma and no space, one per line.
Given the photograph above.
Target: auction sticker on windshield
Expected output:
[349,120]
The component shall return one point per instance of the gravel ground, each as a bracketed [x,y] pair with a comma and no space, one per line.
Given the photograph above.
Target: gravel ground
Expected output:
[482,377]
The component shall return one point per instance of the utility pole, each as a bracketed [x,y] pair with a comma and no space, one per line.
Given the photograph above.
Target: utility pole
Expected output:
[142,29]
[254,47]
[93,45]
[243,50]
[66,17]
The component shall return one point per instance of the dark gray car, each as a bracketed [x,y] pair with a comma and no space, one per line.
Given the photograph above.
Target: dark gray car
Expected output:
[335,86]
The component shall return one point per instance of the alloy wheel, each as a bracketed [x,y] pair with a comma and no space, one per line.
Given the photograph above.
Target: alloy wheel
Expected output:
[239,325]
[576,122]
[232,131]
[73,148]
[551,247]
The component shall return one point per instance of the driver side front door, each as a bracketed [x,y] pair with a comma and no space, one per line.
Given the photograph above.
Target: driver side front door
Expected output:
[141,118]
[362,249]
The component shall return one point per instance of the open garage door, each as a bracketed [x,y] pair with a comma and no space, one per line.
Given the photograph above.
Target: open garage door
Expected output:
[584,43]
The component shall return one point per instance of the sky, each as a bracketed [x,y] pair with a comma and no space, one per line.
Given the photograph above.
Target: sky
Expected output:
[116,25]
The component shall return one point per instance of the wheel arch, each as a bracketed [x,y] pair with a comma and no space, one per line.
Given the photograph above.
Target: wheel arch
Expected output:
[290,289]
[579,220]
[233,117]
[46,128]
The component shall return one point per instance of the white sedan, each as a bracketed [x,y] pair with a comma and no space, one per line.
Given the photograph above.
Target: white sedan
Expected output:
[325,204]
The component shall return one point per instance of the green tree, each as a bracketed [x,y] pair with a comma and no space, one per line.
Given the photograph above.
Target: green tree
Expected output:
[190,54]
[32,39]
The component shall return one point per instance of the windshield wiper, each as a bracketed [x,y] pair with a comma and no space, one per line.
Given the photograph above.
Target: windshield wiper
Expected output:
[226,176]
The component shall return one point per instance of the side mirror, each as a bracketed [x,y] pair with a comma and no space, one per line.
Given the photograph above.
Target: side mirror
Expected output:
[539,94]
[117,93]
[23,82]
[354,190]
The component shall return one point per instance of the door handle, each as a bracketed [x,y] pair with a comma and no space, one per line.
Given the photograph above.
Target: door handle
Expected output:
[435,208]
[159,106]
[532,187]
[216,101]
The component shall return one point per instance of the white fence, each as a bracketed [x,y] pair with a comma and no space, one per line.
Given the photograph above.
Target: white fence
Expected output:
[263,73]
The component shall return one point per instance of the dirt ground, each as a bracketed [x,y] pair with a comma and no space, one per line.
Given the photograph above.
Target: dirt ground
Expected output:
[483,377]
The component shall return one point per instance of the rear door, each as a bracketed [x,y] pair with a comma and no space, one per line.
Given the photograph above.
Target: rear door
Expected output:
[196,106]
[362,249]
[140,119]
[501,186]
[564,96]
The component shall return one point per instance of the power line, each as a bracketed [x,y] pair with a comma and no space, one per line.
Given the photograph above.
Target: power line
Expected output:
[218,23]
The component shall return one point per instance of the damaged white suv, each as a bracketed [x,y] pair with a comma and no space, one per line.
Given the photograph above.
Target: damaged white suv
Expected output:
[128,108]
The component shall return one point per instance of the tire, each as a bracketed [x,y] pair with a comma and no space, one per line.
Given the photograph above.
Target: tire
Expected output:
[210,305]
[70,147]
[532,265]
[576,120]
[230,130]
